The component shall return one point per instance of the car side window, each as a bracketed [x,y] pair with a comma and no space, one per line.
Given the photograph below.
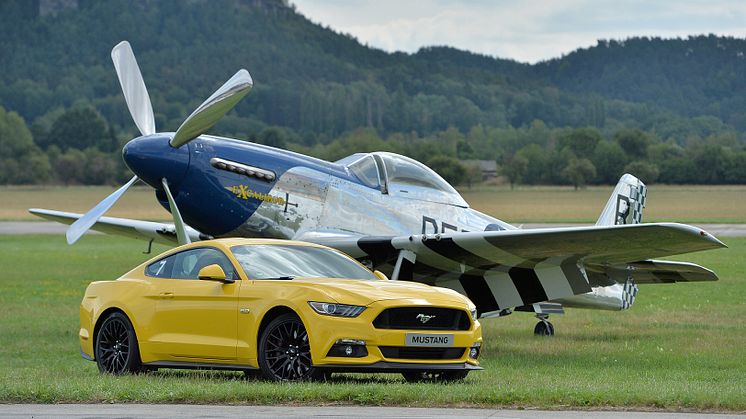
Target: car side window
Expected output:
[187,264]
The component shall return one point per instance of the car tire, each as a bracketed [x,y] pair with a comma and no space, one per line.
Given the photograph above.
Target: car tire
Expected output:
[285,351]
[116,346]
[435,376]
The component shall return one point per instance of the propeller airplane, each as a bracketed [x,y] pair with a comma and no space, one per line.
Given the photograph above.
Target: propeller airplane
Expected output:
[388,211]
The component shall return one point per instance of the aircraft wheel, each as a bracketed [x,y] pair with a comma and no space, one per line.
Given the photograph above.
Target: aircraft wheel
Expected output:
[116,346]
[544,328]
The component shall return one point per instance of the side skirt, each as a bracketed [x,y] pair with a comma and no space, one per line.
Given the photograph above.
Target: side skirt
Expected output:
[198,366]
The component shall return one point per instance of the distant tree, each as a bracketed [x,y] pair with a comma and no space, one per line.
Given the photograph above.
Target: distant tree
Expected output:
[609,160]
[15,137]
[645,171]
[581,141]
[80,128]
[514,169]
[473,174]
[464,150]
[578,172]
[100,168]
[273,137]
[634,142]
[537,170]
[70,166]
[449,169]
[711,161]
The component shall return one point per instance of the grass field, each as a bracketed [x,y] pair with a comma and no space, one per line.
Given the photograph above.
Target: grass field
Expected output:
[681,347]
[690,204]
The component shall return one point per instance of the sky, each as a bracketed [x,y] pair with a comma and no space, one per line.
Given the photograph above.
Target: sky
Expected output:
[526,31]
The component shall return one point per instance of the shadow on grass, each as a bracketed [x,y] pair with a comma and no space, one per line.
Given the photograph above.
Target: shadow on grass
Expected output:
[255,376]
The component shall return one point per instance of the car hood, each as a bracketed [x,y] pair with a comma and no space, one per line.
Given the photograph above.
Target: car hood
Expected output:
[359,292]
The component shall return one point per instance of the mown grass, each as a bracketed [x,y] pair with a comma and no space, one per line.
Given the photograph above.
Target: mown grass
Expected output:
[539,204]
[139,202]
[560,204]
[681,347]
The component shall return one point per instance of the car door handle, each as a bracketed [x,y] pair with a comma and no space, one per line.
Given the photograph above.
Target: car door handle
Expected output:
[166,295]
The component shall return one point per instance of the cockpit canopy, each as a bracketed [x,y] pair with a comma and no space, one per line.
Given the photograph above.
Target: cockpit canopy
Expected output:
[401,176]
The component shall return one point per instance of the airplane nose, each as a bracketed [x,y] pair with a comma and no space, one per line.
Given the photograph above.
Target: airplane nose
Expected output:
[151,158]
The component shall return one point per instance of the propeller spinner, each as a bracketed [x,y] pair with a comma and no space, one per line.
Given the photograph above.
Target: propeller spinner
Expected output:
[137,150]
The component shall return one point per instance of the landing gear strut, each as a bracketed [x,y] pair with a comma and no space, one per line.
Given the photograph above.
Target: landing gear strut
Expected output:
[544,327]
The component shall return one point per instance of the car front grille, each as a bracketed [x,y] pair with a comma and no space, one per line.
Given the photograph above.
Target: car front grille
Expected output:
[405,352]
[423,318]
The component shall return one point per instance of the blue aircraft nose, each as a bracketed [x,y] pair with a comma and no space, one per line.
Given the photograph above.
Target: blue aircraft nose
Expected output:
[151,158]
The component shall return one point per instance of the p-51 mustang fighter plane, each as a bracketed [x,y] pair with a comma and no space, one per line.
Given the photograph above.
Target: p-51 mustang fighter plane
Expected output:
[387,210]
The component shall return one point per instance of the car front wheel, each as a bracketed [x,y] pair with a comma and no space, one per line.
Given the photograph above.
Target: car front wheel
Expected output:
[116,346]
[285,352]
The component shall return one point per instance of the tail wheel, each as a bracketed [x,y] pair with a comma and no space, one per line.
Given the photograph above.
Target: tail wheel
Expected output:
[435,376]
[285,352]
[544,328]
[116,346]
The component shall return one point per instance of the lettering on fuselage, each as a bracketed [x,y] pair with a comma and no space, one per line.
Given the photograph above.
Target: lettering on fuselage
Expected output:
[245,193]
[430,226]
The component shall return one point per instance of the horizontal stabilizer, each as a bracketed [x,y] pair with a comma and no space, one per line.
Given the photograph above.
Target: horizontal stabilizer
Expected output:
[661,272]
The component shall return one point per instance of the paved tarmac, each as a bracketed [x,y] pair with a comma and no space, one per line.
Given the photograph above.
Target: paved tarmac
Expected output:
[50,227]
[150,411]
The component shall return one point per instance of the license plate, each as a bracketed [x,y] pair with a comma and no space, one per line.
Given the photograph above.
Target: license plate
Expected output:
[432,340]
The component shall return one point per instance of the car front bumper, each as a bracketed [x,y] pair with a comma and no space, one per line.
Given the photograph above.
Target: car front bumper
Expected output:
[326,332]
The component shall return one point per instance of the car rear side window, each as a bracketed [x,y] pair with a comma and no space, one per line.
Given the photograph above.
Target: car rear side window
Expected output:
[187,264]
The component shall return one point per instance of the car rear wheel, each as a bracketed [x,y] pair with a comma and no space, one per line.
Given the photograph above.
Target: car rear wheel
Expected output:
[116,346]
[285,352]
[435,376]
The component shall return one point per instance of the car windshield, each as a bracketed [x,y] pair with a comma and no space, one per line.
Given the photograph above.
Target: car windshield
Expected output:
[287,262]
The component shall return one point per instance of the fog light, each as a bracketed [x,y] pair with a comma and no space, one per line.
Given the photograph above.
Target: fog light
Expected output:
[474,351]
[352,348]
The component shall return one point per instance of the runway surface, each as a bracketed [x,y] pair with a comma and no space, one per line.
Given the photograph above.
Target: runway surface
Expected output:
[49,227]
[150,411]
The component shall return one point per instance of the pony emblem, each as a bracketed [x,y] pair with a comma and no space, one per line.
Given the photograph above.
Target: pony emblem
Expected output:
[424,318]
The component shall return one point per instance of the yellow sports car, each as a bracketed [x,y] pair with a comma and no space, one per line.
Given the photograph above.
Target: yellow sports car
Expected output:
[291,310]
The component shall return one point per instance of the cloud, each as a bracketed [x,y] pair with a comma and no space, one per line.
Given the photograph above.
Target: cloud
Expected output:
[526,31]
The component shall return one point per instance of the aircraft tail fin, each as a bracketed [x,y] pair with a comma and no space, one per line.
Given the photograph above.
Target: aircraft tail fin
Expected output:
[625,204]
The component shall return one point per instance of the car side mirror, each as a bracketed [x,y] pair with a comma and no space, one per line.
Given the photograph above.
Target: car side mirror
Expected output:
[380,275]
[213,273]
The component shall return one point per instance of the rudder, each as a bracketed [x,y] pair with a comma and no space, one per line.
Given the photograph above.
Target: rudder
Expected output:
[625,204]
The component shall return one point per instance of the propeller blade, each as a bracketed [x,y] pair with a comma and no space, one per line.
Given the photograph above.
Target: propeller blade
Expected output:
[181,234]
[211,110]
[133,87]
[79,227]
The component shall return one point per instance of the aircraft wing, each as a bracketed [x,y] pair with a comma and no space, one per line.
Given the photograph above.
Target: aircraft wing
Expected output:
[163,233]
[512,268]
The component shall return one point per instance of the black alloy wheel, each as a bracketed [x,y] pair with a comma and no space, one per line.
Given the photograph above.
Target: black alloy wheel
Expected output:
[116,346]
[284,351]
[435,376]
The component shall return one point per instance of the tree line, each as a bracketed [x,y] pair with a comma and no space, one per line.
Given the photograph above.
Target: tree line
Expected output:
[79,146]
[567,120]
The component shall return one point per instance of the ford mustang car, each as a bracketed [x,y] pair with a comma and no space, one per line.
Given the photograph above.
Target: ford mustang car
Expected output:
[290,310]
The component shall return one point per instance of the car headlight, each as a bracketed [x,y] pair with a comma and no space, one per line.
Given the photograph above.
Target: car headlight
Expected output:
[334,309]
[473,312]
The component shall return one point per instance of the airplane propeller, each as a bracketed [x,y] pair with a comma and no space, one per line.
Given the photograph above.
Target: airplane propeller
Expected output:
[138,102]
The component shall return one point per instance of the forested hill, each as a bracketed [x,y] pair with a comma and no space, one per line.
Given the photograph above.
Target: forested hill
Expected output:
[324,93]
[704,75]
